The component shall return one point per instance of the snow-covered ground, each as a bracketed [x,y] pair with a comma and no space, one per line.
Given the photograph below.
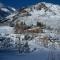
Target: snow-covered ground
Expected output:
[42,54]
[6,30]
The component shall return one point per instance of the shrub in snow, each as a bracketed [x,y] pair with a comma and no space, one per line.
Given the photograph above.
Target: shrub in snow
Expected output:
[26,47]
[6,42]
[22,44]
[41,25]
[27,37]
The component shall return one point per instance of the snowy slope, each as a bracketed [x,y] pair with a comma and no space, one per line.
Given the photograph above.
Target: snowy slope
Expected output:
[5,11]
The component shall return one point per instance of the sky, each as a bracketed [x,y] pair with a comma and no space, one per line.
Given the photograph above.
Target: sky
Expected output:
[22,3]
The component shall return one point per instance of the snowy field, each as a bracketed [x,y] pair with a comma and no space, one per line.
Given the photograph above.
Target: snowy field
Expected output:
[42,54]
[6,29]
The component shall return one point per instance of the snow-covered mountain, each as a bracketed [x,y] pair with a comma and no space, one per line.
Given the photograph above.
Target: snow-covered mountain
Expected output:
[46,13]
[5,11]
